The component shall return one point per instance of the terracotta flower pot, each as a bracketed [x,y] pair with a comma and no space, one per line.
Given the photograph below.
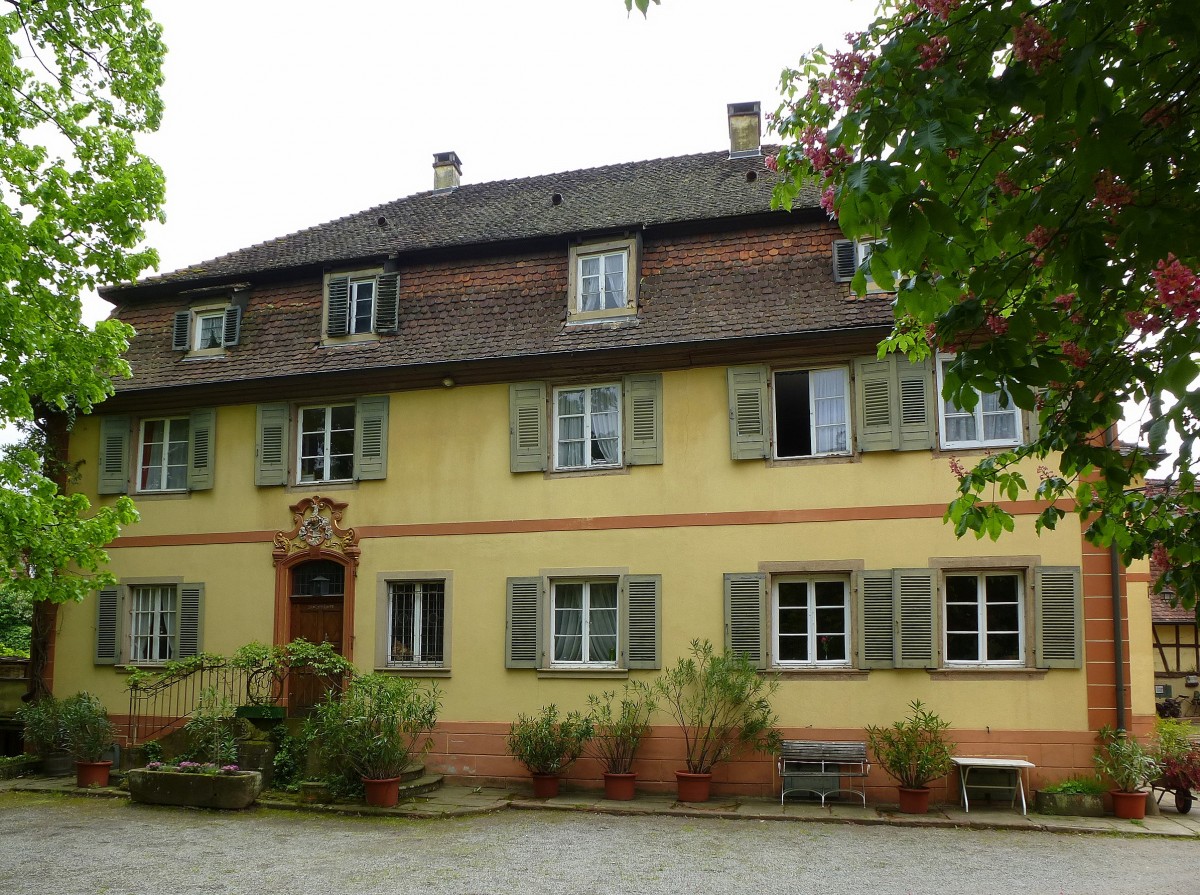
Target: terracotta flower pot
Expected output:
[1128,805]
[693,787]
[914,801]
[384,793]
[92,773]
[619,787]
[545,786]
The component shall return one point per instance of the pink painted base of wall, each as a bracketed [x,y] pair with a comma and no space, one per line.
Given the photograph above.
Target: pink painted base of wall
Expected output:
[474,753]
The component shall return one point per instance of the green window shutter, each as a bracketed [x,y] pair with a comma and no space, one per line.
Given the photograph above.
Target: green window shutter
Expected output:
[643,419]
[641,597]
[746,615]
[527,447]
[108,626]
[845,260]
[1059,614]
[270,454]
[337,300]
[371,438]
[191,604]
[916,627]
[875,404]
[202,450]
[914,386]
[749,414]
[523,631]
[387,303]
[232,330]
[113,475]
[876,620]
[181,331]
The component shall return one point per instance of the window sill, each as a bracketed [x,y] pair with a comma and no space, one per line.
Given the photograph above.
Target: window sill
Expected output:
[584,473]
[204,354]
[948,450]
[162,495]
[413,671]
[582,673]
[996,673]
[616,315]
[822,460]
[791,673]
[347,485]
[346,341]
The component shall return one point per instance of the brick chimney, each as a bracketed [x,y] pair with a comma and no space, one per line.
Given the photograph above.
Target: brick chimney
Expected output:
[745,126]
[447,167]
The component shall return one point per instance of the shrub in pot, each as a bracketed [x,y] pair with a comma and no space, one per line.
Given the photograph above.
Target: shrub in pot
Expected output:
[1074,797]
[722,706]
[913,751]
[1131,766]
[42,722]
[619,721]
[375,728]
[88,735]
[547,745]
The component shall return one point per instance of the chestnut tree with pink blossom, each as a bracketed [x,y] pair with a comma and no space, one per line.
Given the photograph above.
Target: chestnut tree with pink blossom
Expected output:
[1031,170]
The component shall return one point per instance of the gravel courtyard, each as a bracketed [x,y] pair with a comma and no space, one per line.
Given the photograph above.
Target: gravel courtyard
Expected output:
[71,846]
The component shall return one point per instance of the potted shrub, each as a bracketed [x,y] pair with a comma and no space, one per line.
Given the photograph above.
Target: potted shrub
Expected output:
[618,724]
[88,735]
[43,733]
[547,745]
[375,728]
[723,706]
[913,751]
[1179,756]
[194,784]
[1131,766]
[1073,797]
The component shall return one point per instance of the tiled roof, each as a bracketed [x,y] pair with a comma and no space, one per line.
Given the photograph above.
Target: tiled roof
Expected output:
[1161,610]
[631,195]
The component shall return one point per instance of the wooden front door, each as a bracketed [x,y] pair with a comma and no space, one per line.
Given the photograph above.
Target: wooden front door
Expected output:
[316,615]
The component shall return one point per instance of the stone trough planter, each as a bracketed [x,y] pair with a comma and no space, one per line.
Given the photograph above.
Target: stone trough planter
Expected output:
[1069,804]
[229,791]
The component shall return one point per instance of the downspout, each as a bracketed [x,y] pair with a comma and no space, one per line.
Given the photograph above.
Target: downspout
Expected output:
[1114,571]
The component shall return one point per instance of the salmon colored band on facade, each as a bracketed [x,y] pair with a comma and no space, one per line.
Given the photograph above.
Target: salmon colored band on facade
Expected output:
[586,523]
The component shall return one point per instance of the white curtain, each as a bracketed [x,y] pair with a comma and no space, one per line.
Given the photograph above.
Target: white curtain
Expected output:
[614,281]
[602,622]
[606,421]
[590,284]
[999,423]
[568,622]
[829,410]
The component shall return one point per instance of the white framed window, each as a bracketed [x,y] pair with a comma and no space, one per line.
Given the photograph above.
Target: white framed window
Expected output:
[603,280]
[153,624]
[812,412]
[326,444]
[810,619]
[984,618]
[587,426]
[163,454]
[416,623]
[584,622]
[361,309]
[209,330]
[994,421]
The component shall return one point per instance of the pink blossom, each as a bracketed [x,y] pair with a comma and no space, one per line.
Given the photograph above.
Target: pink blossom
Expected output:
[1035,44]
[1005,184]
[1078,355]
[1039,237]
[997,324]
[934,52]
[1159,116]
[957,468]
[1143,322]
[940,8]
[772,162]
[1065,300]
[827,199]
[1178,288]
[1109,192]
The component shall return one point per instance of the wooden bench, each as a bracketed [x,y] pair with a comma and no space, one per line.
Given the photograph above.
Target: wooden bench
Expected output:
[809,765]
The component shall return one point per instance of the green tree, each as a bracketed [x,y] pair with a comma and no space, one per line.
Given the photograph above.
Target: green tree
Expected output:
[1031,171]
[78,82]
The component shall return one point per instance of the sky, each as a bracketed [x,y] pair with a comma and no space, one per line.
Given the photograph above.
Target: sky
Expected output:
[284,114]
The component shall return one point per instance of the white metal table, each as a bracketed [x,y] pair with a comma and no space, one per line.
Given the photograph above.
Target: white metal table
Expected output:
[1016,765]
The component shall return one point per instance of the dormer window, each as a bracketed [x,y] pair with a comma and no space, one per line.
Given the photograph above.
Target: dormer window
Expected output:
[207,329]
[361,303]
[603,280]
[850,255]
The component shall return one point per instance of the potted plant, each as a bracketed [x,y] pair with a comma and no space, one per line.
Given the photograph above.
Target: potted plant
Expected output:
[618,725]
[1073,797]
[374,729]
[1131,766]
[722,705]
[266,668]
[913,751]
[194,784]
[88,735]
[43,733]
[1179,756]
[547,745]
